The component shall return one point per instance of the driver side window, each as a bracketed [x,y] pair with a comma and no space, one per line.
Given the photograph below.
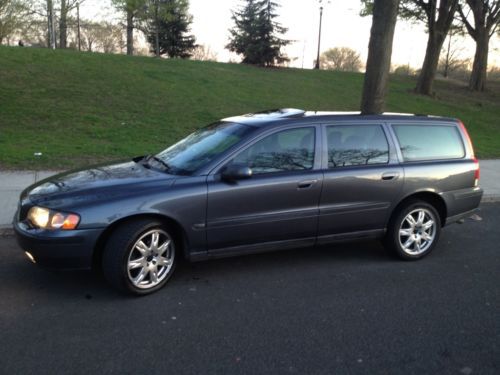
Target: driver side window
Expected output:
[287,150]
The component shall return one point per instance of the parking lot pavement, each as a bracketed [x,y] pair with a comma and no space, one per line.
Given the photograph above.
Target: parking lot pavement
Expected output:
[346,309]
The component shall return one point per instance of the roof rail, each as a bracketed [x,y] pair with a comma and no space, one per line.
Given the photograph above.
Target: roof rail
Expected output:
[278,113]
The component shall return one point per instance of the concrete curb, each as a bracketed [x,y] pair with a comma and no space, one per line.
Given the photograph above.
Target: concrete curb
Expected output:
[6,231]
[490,198]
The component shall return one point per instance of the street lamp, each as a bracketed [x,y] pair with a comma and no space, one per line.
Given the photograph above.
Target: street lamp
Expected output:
[319,33]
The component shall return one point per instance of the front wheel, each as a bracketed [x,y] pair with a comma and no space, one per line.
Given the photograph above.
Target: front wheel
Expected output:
[414,231]
[139,257]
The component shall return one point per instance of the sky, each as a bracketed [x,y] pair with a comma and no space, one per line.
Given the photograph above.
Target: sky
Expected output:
[342,27]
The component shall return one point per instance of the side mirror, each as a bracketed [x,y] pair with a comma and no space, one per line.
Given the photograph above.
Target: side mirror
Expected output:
[235,172]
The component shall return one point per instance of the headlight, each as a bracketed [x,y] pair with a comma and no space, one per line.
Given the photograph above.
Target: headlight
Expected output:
[47,219]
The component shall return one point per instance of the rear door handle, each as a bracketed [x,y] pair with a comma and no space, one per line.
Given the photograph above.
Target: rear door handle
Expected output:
[306,184]
[390,176]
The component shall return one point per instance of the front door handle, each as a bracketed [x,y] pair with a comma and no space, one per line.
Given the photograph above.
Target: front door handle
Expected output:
[306,184]
[390,176]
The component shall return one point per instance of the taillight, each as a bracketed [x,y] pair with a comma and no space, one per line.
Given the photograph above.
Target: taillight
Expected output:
[467,138]
[471,150]
[476,172]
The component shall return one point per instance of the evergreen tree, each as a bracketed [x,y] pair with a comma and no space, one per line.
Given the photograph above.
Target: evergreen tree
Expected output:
[256,34]
[168,29]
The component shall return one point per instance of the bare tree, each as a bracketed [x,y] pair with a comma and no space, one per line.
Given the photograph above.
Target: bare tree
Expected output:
[66,7]
[101,37]
[204,53]
[437,29]
[34,32]
[486,15]
[451,60]
[341,58]
[12,13]
[437,15]
[378,63]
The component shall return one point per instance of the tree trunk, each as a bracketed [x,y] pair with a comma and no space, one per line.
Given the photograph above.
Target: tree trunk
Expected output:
[431,61]
[447,61]
[378,63]
[63,32]
[477,80]
[130,32]
[157,31]
[51,35]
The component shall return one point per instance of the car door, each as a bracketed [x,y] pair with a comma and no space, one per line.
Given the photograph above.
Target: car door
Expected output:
[278,205]
[362,179]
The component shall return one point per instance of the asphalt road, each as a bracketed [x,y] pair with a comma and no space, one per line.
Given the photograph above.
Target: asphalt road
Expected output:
[348,309]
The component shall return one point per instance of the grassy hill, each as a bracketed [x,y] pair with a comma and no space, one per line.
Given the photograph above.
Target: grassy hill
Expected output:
[80,108]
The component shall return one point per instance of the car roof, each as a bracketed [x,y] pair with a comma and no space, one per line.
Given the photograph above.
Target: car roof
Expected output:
[291,115]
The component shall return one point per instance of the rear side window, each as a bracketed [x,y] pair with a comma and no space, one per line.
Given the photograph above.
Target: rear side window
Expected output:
[428,142]
[350,145]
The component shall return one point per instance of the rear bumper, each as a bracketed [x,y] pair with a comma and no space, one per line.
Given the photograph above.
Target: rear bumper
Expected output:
[462,203]
[58,249]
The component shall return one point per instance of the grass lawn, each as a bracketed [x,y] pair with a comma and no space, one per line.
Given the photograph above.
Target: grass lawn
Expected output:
[82,108]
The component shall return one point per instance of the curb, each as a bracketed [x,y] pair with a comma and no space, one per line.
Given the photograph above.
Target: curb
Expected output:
[6,231]
[490,198]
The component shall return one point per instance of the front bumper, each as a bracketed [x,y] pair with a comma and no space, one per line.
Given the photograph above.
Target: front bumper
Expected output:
[58,249]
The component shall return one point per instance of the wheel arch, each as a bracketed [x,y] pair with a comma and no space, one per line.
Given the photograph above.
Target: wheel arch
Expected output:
[430,197]
[180,236]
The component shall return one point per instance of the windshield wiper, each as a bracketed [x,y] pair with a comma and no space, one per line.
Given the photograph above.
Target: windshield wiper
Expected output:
[165,165]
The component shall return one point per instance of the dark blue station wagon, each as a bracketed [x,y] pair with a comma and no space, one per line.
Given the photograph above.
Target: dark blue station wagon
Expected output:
[273,180]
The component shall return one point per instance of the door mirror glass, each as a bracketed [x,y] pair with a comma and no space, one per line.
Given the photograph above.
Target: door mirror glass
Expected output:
[235,172]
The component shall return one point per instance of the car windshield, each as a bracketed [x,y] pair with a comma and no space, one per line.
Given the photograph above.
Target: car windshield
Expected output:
[202,146]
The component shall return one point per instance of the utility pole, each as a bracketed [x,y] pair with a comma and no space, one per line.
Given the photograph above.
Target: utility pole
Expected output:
[316,66]
[51,25]
[78,25]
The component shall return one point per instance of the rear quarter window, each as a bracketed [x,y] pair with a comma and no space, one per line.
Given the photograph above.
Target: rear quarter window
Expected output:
[429,142]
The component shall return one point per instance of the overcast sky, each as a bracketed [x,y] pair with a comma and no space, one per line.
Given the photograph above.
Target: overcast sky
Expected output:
[342,26]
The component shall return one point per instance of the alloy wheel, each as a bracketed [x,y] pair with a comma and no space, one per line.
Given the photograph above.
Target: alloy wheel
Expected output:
[417,231]
[150,259]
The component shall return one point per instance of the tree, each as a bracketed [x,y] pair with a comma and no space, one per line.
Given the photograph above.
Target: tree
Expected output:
[256,35]
[341,58]
[486,15]
[451,60]
[132,9]
[378,63]
[204,53]
[403,70]
[437,29]
[11,17]
[34,33]
[101,36]
[66,7]
[437,17]
[167,28]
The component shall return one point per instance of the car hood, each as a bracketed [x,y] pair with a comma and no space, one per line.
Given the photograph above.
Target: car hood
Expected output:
[100,181]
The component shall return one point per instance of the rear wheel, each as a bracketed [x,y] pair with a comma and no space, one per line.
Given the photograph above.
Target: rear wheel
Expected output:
[414,230]
[139,257]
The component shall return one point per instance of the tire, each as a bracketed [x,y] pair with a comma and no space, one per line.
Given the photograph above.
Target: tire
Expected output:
[413,231]
[132,263]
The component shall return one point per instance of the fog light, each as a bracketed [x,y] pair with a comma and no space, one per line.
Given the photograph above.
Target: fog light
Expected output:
[30,257]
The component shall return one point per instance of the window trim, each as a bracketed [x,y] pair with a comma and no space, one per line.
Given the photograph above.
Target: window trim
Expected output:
[421,123]
[390,146]
[267,132]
